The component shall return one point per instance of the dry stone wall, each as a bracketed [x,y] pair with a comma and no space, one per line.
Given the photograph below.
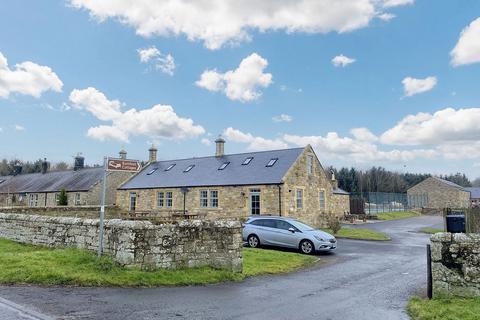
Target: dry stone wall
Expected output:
[142,244]
[456,264]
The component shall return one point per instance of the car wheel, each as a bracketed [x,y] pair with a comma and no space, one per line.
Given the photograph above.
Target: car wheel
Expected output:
[306,246]
[253,241]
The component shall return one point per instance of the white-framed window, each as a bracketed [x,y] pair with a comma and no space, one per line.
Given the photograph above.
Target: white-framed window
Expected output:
[310,165]
[77,199]
[299,198]
[322,199]
[169,199]
[203,198]
[214,198]
[160,199]
[57,198]
[133,201]
[33,200]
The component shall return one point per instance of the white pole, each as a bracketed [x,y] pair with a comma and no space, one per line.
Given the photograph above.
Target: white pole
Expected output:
[102,207]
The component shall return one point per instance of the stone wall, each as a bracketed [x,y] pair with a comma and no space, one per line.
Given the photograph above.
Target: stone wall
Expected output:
[185,243]
[340,204]
[440,195]
[456,264]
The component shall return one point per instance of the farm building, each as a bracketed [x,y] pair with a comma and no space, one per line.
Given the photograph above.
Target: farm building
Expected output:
[290,182]
[439,193]
[82,185]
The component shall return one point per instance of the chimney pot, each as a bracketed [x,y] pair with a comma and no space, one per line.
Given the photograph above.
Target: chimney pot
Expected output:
[220,147]
[123,154]
[44,166]
[79,162]
[152,154]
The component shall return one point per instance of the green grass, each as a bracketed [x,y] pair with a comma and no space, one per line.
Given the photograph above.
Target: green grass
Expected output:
[27,264]
[430,230]
[396,215]
[444,309]
[360,234]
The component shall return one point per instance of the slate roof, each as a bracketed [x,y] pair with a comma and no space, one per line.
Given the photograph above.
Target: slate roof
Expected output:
[81,180]
[340,191]
[451,184]
[474,192]
[206,171]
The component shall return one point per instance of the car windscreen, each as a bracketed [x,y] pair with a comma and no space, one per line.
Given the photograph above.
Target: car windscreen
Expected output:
[301,226]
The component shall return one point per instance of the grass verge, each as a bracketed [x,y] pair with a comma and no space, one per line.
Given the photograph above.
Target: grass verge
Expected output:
[430,230]
[27,264]
[396,215]
[360,234]
[444,309]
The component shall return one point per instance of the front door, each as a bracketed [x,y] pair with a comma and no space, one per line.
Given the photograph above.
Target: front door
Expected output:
[133,201]
[255,201]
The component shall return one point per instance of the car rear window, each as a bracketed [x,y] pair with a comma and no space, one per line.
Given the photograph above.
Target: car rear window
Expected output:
[264,223]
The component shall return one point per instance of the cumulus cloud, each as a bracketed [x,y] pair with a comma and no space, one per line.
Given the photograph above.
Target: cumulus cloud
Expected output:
[18,127]
[206,142]
[220,22]
[444,125]
[160,121]
[342,61]
[27,78]
[282,118]
[412,86]
[254,143]
[240,84]
[163,62]
[363,134]
[467,49]
[386,16]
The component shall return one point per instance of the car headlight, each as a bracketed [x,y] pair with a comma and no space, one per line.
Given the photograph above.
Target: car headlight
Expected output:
[319,238]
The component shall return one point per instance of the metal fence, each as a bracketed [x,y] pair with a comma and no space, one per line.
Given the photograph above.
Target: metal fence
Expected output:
[373,203]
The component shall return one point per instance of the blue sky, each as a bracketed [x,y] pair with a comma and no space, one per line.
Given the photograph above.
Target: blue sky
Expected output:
[287,70]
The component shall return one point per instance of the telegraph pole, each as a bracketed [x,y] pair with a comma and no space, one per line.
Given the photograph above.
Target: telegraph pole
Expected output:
[102,207]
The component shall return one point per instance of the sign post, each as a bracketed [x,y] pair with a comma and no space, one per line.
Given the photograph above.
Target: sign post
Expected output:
[110,164]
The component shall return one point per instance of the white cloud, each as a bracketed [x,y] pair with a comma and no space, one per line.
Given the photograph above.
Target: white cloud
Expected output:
[363,134]
[386,16]
[220,22]
[396,3]
[18,127]
[254,143]
[1,129]
[160,121]
[240,84]
[342,61]
[163,62]
[467,49]
[206,142]
[27,78]
[412,86]
[282,118]
[442,126]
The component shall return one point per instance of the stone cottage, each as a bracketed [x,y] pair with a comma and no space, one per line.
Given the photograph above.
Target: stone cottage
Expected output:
[439,193]
[290,182]
[474,196]
[82,185]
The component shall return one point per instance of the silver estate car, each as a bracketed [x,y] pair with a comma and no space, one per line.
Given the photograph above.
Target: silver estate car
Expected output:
[286,232]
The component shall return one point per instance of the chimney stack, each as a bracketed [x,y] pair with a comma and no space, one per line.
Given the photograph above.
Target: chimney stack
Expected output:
[44,166]
[334,180]
[220,147]
[152,154]
[79,162]
[123,154]
[17,168]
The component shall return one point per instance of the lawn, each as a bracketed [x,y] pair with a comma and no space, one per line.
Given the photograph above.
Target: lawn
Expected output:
[27,264]
[396,215]
[444,309]
[430,230]
[360,234]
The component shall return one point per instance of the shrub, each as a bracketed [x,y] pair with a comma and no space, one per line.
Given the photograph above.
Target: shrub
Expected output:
[62,198]
[334,224]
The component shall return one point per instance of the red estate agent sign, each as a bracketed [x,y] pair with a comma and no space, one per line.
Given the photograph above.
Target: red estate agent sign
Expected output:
[123,165]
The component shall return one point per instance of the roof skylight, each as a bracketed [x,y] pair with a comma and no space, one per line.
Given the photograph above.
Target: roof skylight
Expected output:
[271,162]
[247,161]
[152,171]
[170,167]
[224,165]
[190,167]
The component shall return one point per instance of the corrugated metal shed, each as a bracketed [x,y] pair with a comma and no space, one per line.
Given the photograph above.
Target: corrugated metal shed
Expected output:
[205,171]
[474,192]
[81,180]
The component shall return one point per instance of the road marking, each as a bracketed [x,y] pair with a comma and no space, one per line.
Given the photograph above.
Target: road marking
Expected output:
[24,312]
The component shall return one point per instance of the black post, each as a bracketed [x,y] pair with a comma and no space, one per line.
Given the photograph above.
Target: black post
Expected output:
[429,272]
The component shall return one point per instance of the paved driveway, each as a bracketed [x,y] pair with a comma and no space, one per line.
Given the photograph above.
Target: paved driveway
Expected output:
[363,280]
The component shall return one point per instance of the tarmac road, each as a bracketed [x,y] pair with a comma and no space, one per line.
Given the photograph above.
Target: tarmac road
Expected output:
[362,280]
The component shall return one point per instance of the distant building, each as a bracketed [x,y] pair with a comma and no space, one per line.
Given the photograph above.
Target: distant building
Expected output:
[82,185]
[474,196]
[290,182]
[438,193]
